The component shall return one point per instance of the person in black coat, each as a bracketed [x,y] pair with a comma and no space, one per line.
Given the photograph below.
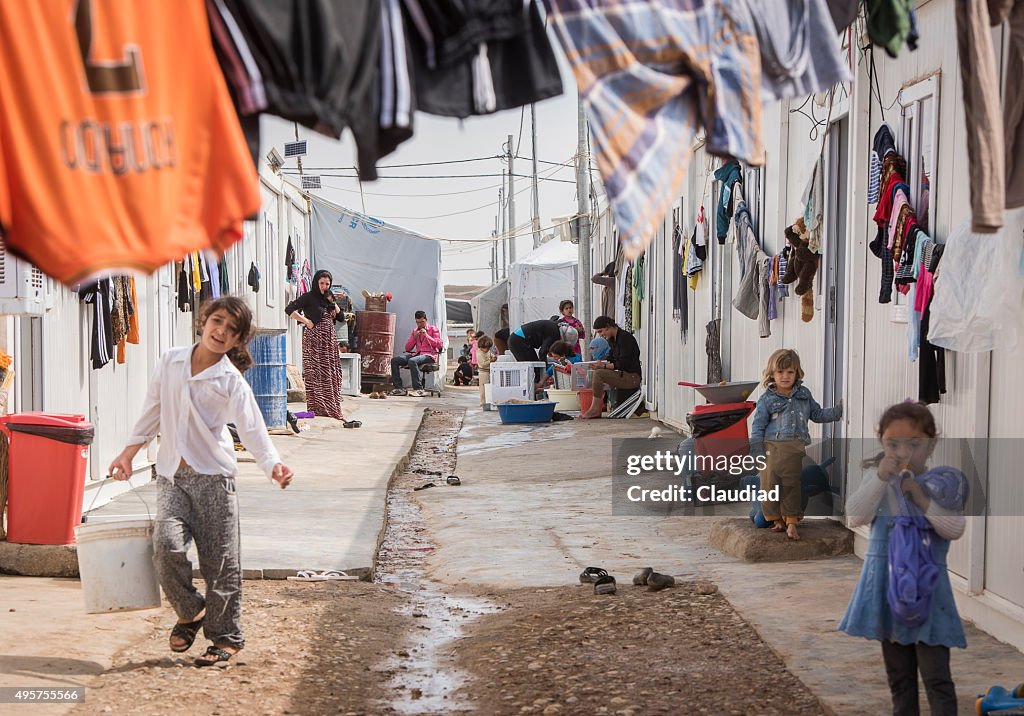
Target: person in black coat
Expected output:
[621,370]
[531,343]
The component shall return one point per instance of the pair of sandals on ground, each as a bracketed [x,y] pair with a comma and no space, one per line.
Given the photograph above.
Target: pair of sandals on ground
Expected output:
[184,635]
[411,393]
[604,583]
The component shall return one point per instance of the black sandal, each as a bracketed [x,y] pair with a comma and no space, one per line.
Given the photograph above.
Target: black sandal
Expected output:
[214,656]
[352,424]
[187,632]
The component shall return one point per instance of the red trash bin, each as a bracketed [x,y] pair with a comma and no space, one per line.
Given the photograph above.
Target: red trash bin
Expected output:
[46,475]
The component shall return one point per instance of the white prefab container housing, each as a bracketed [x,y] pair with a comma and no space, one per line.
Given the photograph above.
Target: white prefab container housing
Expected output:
[854,348]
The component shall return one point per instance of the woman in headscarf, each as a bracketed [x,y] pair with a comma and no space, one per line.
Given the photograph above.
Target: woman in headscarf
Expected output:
[317,310]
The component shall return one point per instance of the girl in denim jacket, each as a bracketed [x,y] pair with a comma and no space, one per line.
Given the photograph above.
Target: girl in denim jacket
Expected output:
[780,430]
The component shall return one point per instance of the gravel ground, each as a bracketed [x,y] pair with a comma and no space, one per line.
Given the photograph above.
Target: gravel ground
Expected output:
[566,651]
[312,648]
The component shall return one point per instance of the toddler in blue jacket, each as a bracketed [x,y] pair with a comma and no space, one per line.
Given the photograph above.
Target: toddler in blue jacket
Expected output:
[779,431]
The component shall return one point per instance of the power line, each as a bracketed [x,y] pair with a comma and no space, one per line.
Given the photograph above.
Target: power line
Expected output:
[434,176]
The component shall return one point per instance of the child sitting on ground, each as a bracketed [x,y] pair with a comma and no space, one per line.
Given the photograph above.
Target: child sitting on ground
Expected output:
[464,373]
[916,635]
[779,430]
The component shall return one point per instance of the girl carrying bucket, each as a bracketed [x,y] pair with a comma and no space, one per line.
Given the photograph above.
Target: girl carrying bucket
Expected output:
[907,604]
[196,391]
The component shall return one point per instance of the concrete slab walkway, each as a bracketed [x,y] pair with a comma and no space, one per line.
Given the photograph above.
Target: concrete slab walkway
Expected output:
[331,515]
[535,508]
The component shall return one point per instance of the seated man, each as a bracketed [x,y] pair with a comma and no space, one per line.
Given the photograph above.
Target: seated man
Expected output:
[422,348]
[621,370]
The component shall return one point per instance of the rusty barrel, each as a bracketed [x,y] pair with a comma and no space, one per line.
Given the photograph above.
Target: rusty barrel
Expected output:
[376,342]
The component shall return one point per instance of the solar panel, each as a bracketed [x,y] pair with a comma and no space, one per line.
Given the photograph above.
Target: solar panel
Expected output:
[295,149]
[311,182]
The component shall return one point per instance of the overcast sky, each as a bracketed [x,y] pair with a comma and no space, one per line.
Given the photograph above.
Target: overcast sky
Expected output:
[447,208]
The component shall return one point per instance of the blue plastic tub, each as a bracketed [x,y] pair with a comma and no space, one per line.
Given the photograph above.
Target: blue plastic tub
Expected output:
[526,412]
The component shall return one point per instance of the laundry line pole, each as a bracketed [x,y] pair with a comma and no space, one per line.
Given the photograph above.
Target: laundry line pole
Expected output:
[536,191]
[511,202]
[583,220]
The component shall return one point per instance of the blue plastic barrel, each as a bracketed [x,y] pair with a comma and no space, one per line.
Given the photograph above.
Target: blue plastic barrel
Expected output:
[268,375]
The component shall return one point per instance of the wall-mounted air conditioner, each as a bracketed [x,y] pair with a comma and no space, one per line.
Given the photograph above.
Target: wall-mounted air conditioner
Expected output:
[24,289]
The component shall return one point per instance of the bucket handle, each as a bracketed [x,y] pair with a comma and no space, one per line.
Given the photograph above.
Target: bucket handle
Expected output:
[149,514]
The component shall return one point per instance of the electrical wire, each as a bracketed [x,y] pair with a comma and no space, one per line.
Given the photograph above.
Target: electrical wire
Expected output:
[432,176]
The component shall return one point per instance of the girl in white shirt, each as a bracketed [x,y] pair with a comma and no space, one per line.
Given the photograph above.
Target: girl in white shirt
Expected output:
[196,391]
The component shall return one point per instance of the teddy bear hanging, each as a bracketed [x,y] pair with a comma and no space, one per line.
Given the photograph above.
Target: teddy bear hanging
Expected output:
[801,267]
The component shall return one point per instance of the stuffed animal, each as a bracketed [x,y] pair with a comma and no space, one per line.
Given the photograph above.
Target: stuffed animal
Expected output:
[803,263]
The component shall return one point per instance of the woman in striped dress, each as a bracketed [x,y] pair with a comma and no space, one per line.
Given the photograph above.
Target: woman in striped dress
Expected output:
[316,310]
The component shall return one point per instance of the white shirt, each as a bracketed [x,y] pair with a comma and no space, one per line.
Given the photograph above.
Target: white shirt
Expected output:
[191,413]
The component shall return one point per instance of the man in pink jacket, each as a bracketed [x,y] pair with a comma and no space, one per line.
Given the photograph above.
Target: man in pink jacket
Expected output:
[422,348]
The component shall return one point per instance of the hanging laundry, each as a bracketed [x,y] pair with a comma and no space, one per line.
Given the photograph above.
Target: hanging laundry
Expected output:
[490,56]
[694,264]
[186,295]
[752,295]
[888,23]
[701,235]
[882,146]
[783,263]
[680,307]
[254,278]
[627,300]
[727,175]
[98,295]
[843,12]
[289,263]
[813,200]
[978,294]
[638,292]
[800,52]
[213,267]
[132,335]
[397,94]
[120,308]
[151,138]
[222,269]
[642,75]
[995,143]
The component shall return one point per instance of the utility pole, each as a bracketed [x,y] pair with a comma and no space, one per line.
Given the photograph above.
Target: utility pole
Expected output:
[536,192]
[504,233]
[583,222]
[494,253]
[511,203]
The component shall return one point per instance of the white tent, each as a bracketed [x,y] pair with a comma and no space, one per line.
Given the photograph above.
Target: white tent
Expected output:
[541,280]
[487,307]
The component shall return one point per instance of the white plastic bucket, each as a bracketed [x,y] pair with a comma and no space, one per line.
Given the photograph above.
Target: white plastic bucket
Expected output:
[115,563]
[565,400]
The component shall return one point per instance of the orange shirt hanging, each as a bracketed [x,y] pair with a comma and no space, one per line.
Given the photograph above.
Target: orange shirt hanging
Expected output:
[119,146]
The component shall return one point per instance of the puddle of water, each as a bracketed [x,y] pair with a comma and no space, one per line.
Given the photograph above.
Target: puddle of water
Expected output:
[514,436]
[425,678]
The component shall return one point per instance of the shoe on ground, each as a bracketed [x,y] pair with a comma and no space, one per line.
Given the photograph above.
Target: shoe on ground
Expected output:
[591,575]
[399,392]
[656,582]
[605,585]
[642,576]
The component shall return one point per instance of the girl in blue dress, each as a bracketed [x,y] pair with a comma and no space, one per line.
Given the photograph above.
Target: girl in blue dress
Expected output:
[908,435]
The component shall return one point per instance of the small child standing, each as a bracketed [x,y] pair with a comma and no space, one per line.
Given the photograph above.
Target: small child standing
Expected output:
[464,373]
[196,391]
[779,428]
[485,355]
[898,479]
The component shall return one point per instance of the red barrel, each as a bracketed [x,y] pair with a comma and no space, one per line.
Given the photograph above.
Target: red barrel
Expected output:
[376,342]
[46,475]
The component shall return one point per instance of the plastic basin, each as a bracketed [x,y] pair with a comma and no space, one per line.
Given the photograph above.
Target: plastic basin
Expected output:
[526,412]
